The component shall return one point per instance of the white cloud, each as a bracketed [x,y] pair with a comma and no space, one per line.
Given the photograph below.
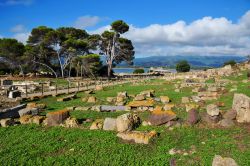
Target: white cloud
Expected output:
[22,37]
[205,36]
[100,30]
[86,21]
[16,2]
[18,28]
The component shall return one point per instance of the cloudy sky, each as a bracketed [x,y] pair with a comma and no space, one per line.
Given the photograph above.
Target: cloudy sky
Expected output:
[157,27]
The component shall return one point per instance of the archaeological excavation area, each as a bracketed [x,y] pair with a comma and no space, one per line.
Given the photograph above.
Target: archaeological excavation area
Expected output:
[194,118]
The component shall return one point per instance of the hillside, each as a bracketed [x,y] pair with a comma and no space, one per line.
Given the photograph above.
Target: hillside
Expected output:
[197,61]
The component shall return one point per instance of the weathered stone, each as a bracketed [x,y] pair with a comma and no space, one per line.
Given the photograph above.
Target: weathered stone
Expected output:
[209,119]
[231,114]
[127,122]
[97,124]
[213,89]
[145,123]
[109,124]
[107,108]
[56,118]
[168,106]
[25,111]
[70,108]
[177,90]
[111,99]
[226,123]
[122,94]
[220,161]
[139,97]
[148,93]
[208,95]
[89,92]
[67,98]
[193,117]
[38,119]
[159,117]
[145,103]
[71,122]
[82,108]
[241,103]
[98,88]
[12,112]
[26,119]
[7,122]
[164,99]
[91,99]
[185,100]
[137,136]
[84,99]
[220,104]
[96,108]
[213,110]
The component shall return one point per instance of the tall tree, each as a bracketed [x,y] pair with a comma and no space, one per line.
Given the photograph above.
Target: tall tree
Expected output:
[62,45]
[11,52]
[114,47]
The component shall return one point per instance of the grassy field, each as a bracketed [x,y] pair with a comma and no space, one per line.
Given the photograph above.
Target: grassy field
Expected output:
[39,145]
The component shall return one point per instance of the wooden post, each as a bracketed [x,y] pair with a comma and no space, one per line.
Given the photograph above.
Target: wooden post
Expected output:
[78,86]
[42,88]
[56,88]
[26,90]
[68,87]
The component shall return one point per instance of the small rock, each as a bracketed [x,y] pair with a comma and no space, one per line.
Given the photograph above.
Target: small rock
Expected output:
[220,161]
[139,97]
[71,122]
[97,124]
[7,122]
[127,122]
[213,110]
[193,117]
[38,119]
[226,123]
[109,124]
[82,108]
[168,107]
[137,136]
[145,123]
[26,119]
[231,114]
[172,151]
[164,99]
[185,100]
[91,99]
[111,99]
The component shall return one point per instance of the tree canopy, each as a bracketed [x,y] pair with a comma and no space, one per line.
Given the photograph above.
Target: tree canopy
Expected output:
[182,66]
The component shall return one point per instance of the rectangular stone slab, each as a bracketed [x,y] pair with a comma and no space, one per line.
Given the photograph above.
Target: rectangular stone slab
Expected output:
[110,108]
[57,118]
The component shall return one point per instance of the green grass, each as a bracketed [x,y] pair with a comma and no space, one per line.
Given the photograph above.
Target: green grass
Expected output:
[38,145]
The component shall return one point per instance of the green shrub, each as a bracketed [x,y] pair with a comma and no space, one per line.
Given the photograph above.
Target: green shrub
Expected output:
[182,66]
[248,74]
[138,71]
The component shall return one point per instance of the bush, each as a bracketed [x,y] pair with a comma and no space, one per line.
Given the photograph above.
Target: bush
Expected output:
[231,62]
[248,74]
[138,71]
[182,66]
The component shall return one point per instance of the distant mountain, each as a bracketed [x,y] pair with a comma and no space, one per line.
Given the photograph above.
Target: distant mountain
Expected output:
[195,61]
